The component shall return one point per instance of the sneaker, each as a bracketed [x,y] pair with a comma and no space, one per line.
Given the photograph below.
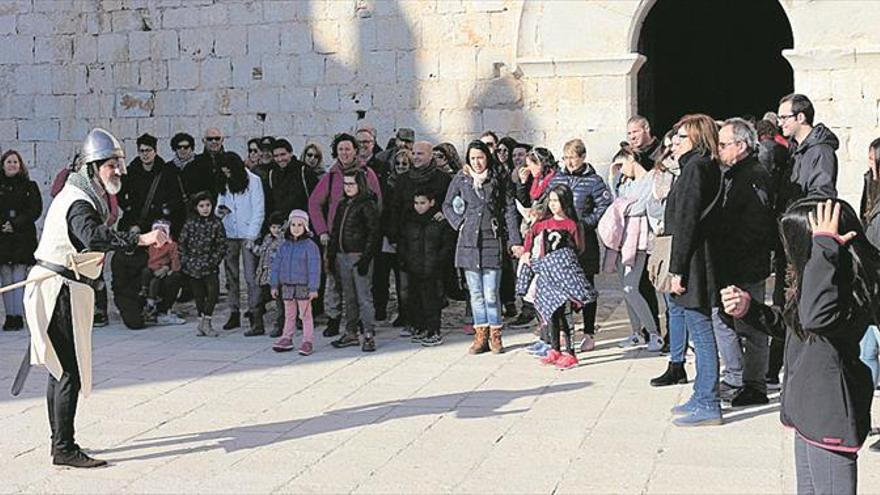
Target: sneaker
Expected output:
[552,356]
[700,417]
[588,344]
[369,344]
[305,349]
[101,320]
[407,331]
[77,459]
[727,391]
[748,396]
[283,344]
[418,336]
[169,318]
[524,319]
[633,340]
[332,329]
[433,340]
[345,341]
[566,361]
[655,344]
[510,310]
[772,383]
[687,408]
[468,328]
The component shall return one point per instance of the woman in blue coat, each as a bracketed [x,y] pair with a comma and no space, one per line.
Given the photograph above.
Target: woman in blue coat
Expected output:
[480,206]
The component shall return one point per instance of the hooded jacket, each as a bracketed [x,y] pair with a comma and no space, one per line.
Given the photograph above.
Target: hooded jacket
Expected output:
[425,244]
[814,166]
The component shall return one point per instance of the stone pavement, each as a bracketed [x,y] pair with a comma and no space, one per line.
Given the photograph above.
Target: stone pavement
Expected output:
[178,414]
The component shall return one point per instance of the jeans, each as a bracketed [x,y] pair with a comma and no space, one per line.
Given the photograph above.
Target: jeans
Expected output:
[234,248]
[699,326]
[483,286]
[678,335]
[870,346]
[640,313]
[821,471]
[13,301]
[742,365]
[357,291]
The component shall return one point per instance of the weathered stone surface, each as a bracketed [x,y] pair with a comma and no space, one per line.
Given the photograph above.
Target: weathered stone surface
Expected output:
[134,104]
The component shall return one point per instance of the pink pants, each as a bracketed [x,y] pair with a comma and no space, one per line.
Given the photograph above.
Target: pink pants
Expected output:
[305,314]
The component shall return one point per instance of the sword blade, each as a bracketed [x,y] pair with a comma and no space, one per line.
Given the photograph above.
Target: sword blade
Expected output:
[23,369]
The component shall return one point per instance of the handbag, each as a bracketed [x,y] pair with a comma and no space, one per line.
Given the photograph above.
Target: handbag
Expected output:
[658,262]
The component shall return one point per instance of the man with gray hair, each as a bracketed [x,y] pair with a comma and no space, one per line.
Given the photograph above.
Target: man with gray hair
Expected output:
[743,240]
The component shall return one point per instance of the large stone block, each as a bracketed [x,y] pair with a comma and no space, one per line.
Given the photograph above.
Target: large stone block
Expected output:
[37,24]
[125,75]
[68,21]
[278,124]
[8,130]
[247,125]
[169,103]
[489,60]
[159,127]
[296,37]
[183,74]
[187,17]
[278,70]
[327,98]
[311,69]
[244,13]
[263,99]
[296,99]
[94,105]
[33,79]
[74,129]
[339,73]
[381,68]
[17,106]
[394,33]
[139,45]
[165,44]
[112,48]
[7,24]
[440,94]
[264,40]
[282,10]
[85,48]
[216,73]
[458,63]
[232,42]
[69,79]
[326,36]
[17,49]
[197,44]
[200,102]
[231,101]
[189,124]
[125,21]
[135,104]
[100,77]
[57,106]
[153,75]
[243,70]
[216,14]
[38,130]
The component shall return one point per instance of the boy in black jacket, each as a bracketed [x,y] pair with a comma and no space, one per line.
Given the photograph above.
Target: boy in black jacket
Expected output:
[424,246]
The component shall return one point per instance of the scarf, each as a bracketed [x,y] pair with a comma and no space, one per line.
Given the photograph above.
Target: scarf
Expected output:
[420,175]
[80,179]
[479,179]
[182,163]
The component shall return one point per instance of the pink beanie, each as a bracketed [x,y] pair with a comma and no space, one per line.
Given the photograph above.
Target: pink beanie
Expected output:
[300,215]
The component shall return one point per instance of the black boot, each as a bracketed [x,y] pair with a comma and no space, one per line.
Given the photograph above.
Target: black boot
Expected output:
[674,375]
[76,458]
[19,322]
[256,324]
[9,323]
[234,321]
[332,329]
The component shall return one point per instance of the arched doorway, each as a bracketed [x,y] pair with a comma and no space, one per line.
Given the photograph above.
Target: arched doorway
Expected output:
[723,58]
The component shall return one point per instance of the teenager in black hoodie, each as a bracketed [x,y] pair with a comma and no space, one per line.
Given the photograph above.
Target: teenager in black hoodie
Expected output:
[834,275]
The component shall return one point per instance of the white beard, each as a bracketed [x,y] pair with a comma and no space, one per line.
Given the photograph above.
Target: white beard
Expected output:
[112,185]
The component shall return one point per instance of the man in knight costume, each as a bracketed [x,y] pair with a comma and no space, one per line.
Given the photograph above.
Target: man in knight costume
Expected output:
[59,301]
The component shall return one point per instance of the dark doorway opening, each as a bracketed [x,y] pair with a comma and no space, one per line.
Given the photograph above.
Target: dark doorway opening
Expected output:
[719,57]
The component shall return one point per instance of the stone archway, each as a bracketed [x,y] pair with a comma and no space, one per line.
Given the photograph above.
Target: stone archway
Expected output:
[694,63]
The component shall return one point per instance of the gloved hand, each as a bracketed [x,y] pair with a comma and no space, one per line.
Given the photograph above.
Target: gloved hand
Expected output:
[363,266]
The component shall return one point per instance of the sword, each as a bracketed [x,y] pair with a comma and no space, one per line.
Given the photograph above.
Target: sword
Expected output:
[92,264]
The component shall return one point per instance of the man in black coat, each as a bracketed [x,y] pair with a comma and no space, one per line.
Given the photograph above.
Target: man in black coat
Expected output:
[290,181]
[200,174]
[744,236]
[151,191]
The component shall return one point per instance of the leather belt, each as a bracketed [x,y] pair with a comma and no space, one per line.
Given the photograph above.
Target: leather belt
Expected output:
[67,273]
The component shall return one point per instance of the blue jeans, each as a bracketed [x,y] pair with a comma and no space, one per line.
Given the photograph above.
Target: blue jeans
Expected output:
[870,346]
[699,326]
[677,330]
[483,286]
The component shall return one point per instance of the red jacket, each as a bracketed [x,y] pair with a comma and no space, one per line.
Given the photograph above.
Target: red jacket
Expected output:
[164,256]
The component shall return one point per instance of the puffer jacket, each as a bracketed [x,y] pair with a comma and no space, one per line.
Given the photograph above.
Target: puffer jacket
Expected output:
[297,263]
[247,209]
[827,390]
[486,221]
[425,245]
[356,227]
[21,206]
[202,246]
[591,198]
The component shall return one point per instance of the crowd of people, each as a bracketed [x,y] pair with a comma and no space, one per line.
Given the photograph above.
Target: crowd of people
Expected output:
[702,216]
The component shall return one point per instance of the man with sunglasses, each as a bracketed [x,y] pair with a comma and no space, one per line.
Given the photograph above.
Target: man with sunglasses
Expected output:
[200,174]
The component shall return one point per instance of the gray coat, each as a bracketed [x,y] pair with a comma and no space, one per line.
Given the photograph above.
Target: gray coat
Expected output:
[486,221]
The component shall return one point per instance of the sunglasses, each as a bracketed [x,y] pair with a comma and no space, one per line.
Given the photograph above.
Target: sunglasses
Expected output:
[311,155]
[146,150]
[184,146]
[213,138]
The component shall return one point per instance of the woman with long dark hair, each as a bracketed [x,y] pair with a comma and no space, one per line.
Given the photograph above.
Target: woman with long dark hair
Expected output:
[833,294]
[479,205]
[447,158]
[241,206]
[20,207]
[689,217]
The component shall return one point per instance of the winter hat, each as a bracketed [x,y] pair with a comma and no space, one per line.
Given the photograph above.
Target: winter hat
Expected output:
[300,215]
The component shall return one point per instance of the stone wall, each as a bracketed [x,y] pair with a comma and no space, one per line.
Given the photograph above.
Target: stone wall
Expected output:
[543,70]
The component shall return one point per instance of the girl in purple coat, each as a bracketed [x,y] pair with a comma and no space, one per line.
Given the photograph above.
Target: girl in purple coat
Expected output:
[296,276]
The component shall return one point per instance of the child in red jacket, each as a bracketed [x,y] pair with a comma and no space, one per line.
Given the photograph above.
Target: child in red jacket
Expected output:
[163,262]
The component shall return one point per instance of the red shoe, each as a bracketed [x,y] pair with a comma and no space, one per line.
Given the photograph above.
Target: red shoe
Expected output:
[566,361]
[552,356]
[305,349]
[283,344]
[469,328]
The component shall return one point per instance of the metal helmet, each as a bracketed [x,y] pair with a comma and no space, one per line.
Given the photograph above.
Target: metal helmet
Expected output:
[101,145]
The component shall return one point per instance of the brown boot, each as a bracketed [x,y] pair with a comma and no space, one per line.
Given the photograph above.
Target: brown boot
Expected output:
[495,339]
[481,340]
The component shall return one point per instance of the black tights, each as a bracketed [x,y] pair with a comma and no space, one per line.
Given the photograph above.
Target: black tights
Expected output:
[559,324]
[205,291]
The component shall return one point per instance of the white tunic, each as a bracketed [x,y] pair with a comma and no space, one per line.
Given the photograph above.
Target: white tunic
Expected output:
[40,297]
